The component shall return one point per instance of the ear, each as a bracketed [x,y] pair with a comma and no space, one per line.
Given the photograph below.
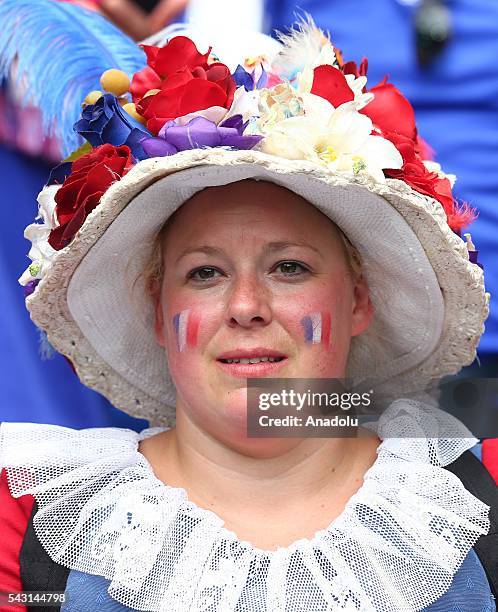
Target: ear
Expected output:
[363,310]
[158,315]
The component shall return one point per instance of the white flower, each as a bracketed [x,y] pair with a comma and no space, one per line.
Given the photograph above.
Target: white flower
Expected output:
[340,139]
[46,205]
[244,103]
[41,253]
[357,84]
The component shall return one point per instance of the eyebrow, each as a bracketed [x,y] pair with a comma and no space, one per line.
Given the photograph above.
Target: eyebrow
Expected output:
[271,247]
[207,250]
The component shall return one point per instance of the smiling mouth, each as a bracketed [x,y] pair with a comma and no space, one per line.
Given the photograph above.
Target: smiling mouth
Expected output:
[252,360]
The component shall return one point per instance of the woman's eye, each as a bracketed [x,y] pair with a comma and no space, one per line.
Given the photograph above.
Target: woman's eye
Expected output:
[203,274]
[291,268]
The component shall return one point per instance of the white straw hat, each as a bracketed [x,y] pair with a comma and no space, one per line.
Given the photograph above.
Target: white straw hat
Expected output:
[428,298]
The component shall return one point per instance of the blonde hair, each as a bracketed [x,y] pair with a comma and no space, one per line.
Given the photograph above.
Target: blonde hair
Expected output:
[154,269]
[353,257]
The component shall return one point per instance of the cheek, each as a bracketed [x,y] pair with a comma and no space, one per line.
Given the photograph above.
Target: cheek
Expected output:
[319,324]
[188,326]
[314,320]
[316,327]
[184,330]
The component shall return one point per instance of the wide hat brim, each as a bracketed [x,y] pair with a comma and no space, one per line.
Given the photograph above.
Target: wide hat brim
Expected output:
[429,299]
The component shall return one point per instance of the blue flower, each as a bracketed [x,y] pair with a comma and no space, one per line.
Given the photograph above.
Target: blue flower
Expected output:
[242,77]
[106,122]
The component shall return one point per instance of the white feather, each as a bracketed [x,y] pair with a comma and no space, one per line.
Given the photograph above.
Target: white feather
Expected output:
[305,46]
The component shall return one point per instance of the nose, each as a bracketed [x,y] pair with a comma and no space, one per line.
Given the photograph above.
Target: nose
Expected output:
[249,303]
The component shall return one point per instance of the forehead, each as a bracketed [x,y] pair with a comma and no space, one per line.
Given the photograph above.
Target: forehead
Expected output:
[259,207]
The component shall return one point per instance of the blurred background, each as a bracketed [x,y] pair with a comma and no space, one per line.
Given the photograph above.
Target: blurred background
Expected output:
[442,54]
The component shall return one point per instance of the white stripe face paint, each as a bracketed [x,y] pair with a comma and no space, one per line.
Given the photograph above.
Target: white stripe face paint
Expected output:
[316,321]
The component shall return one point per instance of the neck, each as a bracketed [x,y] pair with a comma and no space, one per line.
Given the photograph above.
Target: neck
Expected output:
[215,473]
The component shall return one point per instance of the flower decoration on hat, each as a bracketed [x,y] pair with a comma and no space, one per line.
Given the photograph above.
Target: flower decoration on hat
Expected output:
[178,81]
[307,104]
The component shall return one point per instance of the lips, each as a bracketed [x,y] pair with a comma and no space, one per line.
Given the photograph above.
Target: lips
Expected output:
[252,363]
[251,356]
[253,360]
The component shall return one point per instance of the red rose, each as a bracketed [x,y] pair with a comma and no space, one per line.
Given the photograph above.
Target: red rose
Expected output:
[331,84]
[180,52]
[187,91]
[186,80]
[390,111]
[144,81]
[415,174]
[90,177]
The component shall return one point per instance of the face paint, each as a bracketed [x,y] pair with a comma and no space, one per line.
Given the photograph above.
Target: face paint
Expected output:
[316,328]
[186,326]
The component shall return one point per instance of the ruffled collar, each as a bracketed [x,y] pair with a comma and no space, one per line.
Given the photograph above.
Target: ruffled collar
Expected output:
[396,546]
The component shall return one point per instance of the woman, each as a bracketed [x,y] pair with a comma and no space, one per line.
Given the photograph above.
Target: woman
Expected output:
[252,297]
[243,229]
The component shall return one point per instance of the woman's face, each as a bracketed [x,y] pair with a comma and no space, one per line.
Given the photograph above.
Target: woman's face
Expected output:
[252,271]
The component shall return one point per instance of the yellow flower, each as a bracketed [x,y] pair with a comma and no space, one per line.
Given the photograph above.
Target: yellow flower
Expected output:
[326,153]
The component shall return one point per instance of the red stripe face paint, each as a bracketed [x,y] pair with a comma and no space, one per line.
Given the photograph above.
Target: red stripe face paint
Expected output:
[192,330]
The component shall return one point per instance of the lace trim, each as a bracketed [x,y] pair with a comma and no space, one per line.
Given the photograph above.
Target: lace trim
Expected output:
[396,546]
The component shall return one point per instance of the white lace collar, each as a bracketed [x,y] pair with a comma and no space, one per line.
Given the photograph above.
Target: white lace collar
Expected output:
[396,546]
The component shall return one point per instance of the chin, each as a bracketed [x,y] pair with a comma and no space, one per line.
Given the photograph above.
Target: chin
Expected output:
[261,448]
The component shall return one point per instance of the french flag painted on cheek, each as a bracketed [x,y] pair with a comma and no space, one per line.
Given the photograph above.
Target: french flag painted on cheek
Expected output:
[186,326]
[316,328]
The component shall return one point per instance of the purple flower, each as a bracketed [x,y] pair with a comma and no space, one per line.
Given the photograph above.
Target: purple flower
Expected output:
[198,133]
[30,287]
[106,122]
[242,77]
[473,258]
